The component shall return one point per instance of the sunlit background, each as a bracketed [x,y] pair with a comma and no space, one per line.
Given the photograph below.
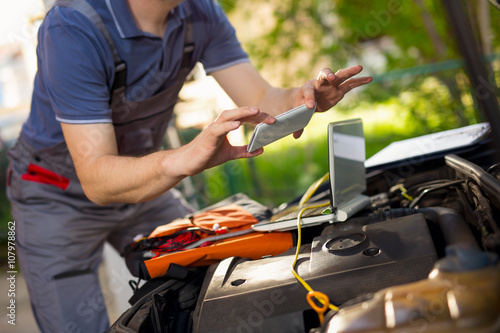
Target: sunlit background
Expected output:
[419,84]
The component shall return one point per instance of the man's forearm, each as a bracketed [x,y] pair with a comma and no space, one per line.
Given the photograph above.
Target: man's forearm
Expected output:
[246,87]
[278,100]
[113,178]
[107,177]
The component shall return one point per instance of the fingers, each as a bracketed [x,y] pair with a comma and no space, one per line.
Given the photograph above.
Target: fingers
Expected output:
[221,129]
[326,75]
[230,120]
[297,134]
[237,114]
[343,79]
[354,83]
[309,94]
[241,152]
[346,73]
[246,115]
[261,117]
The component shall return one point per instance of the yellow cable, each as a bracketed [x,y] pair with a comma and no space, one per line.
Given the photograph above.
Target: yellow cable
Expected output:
[310,191]
[299,241]
[404,193]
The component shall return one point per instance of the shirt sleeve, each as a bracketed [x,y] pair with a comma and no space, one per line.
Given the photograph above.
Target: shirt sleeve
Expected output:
[223,48]
[76,67]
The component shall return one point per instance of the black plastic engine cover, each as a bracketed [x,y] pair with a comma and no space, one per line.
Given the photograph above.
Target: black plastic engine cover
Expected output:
[244,296]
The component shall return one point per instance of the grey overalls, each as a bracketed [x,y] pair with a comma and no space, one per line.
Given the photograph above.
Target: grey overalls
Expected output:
[60,233]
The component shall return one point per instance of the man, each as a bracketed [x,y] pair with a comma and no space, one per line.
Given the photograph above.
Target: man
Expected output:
[88,167]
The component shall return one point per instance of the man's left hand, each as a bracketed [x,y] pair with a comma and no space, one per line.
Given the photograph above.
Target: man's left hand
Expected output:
[329,88]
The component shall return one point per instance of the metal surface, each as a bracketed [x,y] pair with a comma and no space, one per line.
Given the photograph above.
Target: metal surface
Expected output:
[263,295]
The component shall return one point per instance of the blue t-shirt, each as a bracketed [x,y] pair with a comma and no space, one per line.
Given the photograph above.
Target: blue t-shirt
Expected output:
[76,68]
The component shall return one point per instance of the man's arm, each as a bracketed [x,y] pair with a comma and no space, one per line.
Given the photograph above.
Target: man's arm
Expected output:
[107,177]
[244,84]
[246,87]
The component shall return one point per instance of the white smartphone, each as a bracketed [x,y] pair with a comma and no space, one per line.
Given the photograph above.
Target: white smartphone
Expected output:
[286,123]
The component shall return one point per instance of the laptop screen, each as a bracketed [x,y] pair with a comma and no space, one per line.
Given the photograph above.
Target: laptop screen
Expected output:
[346,151]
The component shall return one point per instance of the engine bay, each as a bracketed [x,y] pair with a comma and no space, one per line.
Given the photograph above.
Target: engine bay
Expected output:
[430,223]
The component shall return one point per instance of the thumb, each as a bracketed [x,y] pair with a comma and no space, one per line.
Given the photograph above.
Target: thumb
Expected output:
[297,134]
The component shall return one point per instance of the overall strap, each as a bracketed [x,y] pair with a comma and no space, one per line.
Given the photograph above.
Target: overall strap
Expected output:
[87,10]
[188,44]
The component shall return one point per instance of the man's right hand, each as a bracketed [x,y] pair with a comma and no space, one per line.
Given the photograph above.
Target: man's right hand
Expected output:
[211,147]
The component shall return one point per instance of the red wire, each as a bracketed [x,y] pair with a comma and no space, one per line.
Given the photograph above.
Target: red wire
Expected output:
[176,243]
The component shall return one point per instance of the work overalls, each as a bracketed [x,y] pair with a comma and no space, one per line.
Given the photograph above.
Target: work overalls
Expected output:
[60,233]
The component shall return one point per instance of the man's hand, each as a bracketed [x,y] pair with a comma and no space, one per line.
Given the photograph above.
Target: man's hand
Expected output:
[211,147]
[329,88]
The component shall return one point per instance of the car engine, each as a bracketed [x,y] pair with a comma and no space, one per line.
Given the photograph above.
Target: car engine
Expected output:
[423,257]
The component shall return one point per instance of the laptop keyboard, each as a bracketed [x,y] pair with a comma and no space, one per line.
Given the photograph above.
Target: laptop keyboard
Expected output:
[309,212]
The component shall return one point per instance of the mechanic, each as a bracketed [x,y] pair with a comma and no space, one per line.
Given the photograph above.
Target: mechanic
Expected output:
[88,165]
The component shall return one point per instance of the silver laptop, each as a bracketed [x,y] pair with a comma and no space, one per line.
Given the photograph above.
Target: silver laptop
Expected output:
[346,161]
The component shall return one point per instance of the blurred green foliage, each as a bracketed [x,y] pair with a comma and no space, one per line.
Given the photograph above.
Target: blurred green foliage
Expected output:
[419,82]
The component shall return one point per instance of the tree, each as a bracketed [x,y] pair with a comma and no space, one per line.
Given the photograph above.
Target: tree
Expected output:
[408,39]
